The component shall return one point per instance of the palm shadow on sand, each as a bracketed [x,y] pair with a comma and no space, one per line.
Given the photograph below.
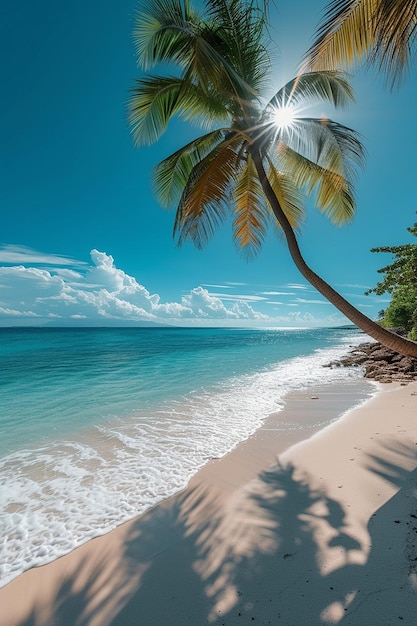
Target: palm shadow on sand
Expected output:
[201,557]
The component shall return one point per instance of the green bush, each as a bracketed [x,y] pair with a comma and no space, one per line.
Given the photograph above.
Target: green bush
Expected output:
[402,309]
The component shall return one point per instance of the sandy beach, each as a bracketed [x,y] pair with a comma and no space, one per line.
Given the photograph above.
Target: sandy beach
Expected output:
[322,531]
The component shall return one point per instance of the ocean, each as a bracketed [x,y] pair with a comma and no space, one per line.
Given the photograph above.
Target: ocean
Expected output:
[99,424]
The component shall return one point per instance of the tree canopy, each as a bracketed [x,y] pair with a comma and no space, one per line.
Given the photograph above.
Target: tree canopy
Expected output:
[400,280]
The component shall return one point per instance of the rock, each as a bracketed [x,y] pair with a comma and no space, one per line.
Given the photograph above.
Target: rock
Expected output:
[379,363]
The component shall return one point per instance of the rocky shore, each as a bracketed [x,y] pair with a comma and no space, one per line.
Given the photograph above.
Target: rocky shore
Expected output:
[380,363]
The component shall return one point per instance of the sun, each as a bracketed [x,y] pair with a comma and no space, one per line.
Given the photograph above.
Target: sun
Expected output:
[284,116]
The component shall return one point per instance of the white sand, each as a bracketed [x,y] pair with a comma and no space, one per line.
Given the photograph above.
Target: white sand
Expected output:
[326,535]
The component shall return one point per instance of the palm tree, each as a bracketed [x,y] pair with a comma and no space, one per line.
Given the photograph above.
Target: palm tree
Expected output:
[254,160]
[384,31]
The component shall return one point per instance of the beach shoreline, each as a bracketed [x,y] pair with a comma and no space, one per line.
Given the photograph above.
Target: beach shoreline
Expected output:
[254,533]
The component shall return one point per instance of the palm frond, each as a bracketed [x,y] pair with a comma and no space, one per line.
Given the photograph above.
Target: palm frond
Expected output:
[203,204]
[384,31]
[204,107]
[163,31]
[154,101]
[172,174]
[251,217]
[396,33]
[331,145]
[170,31]
[333,193]
[209,68]
[326,85]
[289,196]
[241,26]
[346,34]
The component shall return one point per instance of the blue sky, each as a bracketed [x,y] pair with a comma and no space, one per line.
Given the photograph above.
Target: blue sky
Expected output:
[83,239]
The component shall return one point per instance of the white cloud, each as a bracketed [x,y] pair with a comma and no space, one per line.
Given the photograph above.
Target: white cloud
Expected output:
[353,285]
[245,311]
[23,254]
[100,291]
[277,293]
[297,286]
[217,286]
[240,297]
[66,273]
[308,318]
[206,305]
[202,304]
[305,301]
[228,282]
[16,313]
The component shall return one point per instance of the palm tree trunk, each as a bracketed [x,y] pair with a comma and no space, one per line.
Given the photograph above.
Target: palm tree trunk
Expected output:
[371,328]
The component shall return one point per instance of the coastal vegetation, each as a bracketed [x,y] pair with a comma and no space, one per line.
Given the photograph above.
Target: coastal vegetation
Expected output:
[400,281]
[258,157]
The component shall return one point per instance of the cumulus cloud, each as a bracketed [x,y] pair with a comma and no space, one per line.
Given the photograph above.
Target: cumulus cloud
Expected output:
[97,292]
[206,305]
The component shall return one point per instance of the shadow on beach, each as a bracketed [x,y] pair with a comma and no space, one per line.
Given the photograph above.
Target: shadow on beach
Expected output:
[259,554]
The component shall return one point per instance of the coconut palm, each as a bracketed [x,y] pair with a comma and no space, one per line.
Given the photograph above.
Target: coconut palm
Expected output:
[384,31]
[256,157]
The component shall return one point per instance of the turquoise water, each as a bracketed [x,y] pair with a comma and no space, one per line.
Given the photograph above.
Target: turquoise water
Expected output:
[97,425]
[55,381]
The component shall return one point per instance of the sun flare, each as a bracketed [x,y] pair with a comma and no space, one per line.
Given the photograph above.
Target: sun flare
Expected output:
[284,116]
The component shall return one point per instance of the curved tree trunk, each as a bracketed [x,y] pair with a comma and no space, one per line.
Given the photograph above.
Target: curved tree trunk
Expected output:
[371,328]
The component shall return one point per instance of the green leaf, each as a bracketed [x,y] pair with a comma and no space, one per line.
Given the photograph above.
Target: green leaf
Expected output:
[154,101]
[172,174]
